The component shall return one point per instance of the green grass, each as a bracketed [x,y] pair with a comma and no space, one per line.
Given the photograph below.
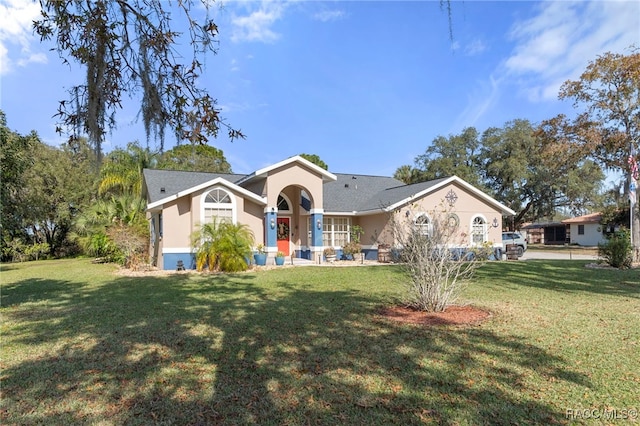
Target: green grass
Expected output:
[305,346]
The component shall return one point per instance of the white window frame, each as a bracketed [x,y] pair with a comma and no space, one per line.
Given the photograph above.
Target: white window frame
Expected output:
[425,229]
[288,201]
[484,227]
[329,232]
[218,206]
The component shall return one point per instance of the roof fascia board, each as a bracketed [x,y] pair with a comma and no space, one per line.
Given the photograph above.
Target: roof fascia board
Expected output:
[445,182]
[326,176]
[216,181]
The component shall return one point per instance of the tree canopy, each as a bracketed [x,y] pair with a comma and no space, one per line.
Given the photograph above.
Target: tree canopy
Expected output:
[315,159]
[43,190]
[197,158]
[607,126]
[516,165]
[456,153]
[121,172]
[132,47]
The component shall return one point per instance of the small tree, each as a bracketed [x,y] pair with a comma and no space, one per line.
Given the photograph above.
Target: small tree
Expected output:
[435,259]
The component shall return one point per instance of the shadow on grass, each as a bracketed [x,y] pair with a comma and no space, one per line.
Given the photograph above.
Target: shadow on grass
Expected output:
[564,276]
[226,350]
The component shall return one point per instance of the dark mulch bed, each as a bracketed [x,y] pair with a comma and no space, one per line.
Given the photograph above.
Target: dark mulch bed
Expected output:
[453,315]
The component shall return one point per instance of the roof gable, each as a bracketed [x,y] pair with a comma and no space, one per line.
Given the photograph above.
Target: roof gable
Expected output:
[370,194]
[264,172]
[587,218]
[163,186]
[434,185]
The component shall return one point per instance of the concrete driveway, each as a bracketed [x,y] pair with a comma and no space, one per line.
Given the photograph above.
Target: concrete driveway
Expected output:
[559,255]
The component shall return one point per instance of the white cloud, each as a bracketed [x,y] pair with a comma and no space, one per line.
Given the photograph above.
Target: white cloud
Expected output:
[329,15]
[257,25]
[552,46]
[481,101]
[475,48]
[16,34]
[558,43]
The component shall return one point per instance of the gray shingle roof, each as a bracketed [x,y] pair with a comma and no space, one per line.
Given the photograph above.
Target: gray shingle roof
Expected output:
[365,193]
[348,193]
[176,181]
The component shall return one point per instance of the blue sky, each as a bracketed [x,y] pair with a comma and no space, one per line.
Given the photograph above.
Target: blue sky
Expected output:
[365,85]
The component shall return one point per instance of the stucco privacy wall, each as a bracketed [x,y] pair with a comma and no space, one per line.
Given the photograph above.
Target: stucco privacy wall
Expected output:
[376,232]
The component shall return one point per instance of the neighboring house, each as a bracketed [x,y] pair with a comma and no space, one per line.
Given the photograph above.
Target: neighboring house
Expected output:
[585,230]
[296,207]
[546,233]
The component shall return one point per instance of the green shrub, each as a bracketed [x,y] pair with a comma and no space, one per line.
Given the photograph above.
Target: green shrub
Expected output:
[100,245]
[617,250]
[222,246]
[36,251]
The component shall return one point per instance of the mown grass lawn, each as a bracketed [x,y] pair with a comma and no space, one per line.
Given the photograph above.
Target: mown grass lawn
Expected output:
[305,345]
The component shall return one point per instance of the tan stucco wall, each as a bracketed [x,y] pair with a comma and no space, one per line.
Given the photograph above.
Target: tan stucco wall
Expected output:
[247,212]
[297,175]
[176,227]
[466,207]
[376,230]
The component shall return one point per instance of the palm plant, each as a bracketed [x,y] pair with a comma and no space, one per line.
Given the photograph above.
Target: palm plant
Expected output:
[222,246]
[92,227]
[121,173]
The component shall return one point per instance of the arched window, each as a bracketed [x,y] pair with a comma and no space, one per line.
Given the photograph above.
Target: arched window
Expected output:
[423,225]
[478,230]
[219,205]
[283,203]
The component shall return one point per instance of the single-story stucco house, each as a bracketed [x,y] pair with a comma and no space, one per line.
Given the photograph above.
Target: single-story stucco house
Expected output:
[586,230]
[298,208]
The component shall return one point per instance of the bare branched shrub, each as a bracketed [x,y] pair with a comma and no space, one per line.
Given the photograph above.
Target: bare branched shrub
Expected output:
[132,243]
[436,259]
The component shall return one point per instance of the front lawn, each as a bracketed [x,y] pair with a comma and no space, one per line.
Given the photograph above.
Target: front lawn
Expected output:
[305,345]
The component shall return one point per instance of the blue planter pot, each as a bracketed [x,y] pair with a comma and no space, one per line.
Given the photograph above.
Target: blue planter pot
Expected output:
[279,260]
[260,258]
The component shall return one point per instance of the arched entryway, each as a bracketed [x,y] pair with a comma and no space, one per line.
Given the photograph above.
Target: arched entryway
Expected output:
[283,225]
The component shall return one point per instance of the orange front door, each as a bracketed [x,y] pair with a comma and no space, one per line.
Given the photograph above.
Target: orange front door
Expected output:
[283,232]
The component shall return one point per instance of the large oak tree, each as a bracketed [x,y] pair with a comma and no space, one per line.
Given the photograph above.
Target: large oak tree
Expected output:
[607,128]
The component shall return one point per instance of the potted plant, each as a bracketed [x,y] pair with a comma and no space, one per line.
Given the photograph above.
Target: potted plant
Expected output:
[280,258]
[330,254]
[260,257]
[351,249]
